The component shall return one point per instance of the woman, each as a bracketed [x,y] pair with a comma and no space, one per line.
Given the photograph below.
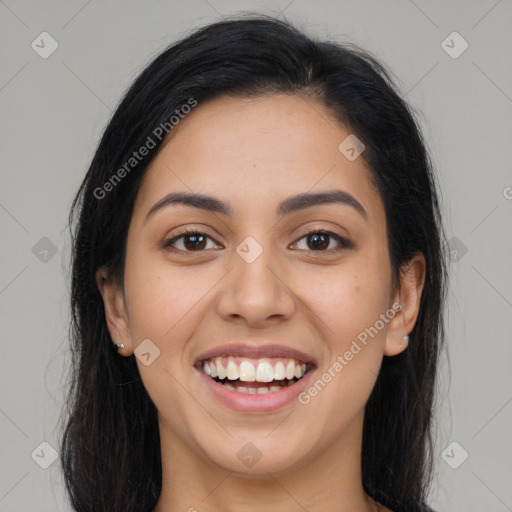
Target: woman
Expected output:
[258,285]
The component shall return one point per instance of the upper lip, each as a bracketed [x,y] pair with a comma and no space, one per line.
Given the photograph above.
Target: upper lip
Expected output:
[256,351]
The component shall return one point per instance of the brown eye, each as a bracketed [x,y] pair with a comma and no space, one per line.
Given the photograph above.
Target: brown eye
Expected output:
[320,241]
[193,242]
[188,241]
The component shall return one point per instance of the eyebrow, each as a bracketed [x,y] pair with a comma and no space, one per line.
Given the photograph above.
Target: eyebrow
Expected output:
[289,205]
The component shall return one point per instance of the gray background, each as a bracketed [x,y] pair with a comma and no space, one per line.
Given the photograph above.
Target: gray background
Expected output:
[53,112]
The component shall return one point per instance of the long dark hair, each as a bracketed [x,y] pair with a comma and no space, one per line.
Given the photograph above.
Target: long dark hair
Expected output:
[110,448]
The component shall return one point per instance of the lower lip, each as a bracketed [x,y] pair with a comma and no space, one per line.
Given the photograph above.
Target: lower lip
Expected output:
[266,402]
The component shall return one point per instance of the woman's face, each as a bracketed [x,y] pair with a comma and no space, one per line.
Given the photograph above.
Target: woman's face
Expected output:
[255,290]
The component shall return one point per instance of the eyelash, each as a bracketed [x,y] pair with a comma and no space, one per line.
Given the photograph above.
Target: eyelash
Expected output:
[344,243]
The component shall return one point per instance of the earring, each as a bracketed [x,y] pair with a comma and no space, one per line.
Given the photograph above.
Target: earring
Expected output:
[406,339]
[119,346]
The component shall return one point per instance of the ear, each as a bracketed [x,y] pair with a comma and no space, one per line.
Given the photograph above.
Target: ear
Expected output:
[412,279]
[115,310]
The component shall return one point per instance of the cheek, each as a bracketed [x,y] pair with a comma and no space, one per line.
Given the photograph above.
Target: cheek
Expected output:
[348,306]
[163,304]
[160,298]
[347,301]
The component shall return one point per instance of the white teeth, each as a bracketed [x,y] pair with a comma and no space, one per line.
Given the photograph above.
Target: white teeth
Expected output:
[248,370]
[279,373]
[221,371]
[264,372]
[290,370]
[232,369]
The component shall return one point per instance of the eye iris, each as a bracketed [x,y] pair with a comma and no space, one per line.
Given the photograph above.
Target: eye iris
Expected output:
[322,238]
[194,245]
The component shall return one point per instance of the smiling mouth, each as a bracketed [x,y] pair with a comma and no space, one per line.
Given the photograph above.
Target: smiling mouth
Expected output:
[254,376]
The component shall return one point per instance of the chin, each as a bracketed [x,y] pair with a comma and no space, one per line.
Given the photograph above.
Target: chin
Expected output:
[256,456]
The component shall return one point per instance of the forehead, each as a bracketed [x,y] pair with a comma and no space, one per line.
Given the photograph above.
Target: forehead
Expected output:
[253,152]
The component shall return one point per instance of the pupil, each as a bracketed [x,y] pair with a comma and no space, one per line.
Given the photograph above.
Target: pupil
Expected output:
[194,244]
[317,237]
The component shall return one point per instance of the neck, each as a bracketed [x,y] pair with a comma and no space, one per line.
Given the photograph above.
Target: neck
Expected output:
[330,481]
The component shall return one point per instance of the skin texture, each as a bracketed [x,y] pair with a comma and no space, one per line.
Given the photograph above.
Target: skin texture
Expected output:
[254,153]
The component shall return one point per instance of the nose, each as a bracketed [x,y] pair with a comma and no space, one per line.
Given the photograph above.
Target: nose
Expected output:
[256,293]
